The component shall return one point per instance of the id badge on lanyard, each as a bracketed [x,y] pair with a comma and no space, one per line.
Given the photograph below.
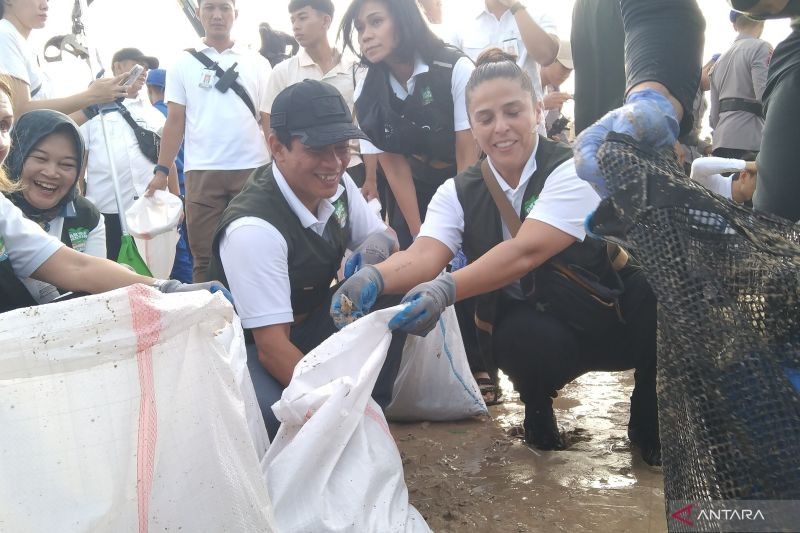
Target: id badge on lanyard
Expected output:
[511,47]
[207,78]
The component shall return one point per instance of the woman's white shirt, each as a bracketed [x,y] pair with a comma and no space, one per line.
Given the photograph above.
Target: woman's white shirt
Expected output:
[19,60]
[23,242]
[462,70]
[564,203]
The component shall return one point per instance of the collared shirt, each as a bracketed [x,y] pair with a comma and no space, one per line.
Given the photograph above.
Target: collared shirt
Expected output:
[261,287]
[19,60]
[487,31]
[741,72]
[301,67]
[564,203]
[458,85]
[221,132]
[134,170]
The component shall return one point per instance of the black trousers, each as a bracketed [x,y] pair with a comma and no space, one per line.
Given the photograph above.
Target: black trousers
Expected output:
[113,235]
[541,353]
[306,336]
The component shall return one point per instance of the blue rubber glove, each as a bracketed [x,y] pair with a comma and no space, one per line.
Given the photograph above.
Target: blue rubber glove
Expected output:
[356,296]
[426,303]
[173,285]
[647,116]
[376,249]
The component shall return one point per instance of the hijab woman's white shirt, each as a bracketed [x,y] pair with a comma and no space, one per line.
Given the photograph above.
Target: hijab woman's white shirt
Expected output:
[22,241]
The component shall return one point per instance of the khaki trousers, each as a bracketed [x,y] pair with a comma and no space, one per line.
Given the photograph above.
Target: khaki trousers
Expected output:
[208,193]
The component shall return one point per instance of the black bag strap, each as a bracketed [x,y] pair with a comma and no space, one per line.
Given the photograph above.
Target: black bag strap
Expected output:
[235,86]
[128,118]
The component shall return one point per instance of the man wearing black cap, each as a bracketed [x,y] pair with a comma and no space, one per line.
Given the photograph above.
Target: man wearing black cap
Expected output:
[282,239]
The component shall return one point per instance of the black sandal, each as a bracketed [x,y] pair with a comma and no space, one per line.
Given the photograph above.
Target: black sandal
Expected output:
[491,392]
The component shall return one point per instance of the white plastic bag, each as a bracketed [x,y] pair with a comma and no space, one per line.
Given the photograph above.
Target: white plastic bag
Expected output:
[434,381]
[334,465]
[127,411]
[153,221]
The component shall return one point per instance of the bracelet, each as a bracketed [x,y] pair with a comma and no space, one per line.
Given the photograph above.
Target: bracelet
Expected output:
[161,168]
[516,7]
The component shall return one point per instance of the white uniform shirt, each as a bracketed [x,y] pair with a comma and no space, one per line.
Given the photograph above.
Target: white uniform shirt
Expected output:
[95,245]
[19,60]
[484,31]
[260,283]
[22,241]
[564,203]
[134,170]
[707,171]
[301,67]
[221,132]
[461,73]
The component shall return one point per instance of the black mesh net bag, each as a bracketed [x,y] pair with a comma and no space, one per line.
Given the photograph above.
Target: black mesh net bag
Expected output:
[728,286]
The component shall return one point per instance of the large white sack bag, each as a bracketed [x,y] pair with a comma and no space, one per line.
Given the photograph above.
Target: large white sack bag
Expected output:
[130,411]
[334,465]
[435,382]
[153,222]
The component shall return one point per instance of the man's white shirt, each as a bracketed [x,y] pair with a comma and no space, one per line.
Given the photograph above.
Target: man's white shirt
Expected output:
[134,170]
[255,255]
[221,132]
[564,203]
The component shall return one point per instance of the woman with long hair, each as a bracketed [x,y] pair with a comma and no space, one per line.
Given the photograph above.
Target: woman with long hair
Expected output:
[29,85]
[522,282]
[26,251]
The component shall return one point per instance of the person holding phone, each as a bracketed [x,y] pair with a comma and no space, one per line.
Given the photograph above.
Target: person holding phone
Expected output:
[134,169]
[29,84]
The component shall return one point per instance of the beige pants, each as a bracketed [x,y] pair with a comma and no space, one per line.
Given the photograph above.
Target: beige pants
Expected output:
[208,193]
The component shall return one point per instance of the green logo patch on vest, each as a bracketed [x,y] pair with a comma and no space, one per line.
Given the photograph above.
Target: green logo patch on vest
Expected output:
[340,212]
[526,208]
[427,96]
[78,238]
[3,253]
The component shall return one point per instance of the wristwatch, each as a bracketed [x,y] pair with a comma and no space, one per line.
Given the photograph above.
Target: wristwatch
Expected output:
[516,7]
[161,168]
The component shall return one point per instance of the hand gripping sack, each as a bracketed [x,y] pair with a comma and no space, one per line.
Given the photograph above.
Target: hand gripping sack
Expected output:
[334,465]
[129,411]
[434,381]
[153,221]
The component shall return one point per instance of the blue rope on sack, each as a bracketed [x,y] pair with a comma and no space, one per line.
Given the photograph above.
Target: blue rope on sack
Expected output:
[453,368]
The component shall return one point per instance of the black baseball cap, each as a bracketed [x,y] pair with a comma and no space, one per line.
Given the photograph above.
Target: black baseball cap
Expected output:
[316,112]
[134,54]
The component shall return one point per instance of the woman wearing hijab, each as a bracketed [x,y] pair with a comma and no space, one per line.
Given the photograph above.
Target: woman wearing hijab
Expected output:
[26,251]
[46,159]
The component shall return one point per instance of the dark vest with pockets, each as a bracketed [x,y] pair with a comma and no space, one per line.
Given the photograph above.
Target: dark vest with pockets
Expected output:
[420,125]
[483,228]
[313,260]
[13,294]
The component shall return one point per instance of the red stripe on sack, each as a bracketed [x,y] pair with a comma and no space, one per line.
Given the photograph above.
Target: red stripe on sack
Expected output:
[147,327]
[377,417]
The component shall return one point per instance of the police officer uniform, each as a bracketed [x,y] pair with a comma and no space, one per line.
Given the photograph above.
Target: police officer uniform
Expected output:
[738,81]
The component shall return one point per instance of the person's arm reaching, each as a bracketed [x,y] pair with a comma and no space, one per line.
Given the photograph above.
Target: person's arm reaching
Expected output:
[398,175]
[541,46]
[467,151]
[171,141]
[276,353]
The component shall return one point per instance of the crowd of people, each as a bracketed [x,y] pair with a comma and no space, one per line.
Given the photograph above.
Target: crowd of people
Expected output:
[278,155]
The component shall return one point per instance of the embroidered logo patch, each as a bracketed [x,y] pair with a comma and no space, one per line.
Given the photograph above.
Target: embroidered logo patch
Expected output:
[340,212]
[78,238]
[529,205]
[3,253]
[427,96]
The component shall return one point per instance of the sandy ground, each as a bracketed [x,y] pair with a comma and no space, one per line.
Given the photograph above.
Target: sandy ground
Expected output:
[475,475]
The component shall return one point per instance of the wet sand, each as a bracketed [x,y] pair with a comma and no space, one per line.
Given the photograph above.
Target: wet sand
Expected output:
[476,475]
